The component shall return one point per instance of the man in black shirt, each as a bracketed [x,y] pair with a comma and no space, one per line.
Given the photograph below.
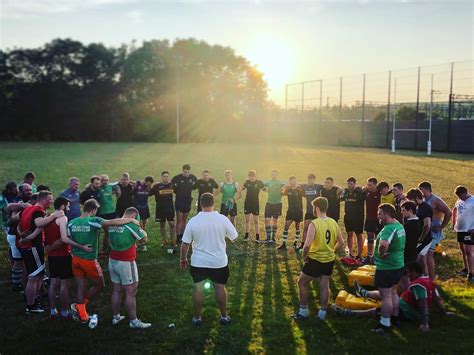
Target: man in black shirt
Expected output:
[183,188]
[311,190]
[332,193]
[91,191]
[163,192]
[251,204]
[295,195]
[354,204]
[205,184]
[124,194]
[425,215]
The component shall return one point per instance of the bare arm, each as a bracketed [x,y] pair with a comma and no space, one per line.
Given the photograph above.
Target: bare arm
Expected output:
[383,247]
[62,222]
[238,194]
[42,222]
[25,237]
[443,207]
[119,222]
[14,207]
[118,191]
[340,240]
[309,240]
[183,259]
[425,315]
[426,228]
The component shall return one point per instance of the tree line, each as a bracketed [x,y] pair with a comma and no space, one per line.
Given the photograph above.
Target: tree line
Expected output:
[69,91]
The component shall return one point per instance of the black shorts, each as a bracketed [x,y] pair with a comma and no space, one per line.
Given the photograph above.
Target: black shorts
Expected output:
[33,259]
[273,210]
[294,215]
[183,205]
[388,278]
[228,212]
[465,238]
[354,224]
[218,276]
[372,226]
[144,212]
[309,216]
[164,215]
[108,216]
[60,267]
[316,268]
[251,208]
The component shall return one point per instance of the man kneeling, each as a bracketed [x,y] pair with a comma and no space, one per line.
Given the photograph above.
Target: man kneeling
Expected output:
[208,231]
[322,240]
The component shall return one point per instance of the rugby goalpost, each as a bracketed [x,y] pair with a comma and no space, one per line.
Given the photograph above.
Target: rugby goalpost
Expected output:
[395,129]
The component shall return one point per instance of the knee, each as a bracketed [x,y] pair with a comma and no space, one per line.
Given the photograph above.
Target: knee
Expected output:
[468,250]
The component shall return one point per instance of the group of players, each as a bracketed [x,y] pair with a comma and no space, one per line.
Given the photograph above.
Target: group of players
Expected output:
[70,237]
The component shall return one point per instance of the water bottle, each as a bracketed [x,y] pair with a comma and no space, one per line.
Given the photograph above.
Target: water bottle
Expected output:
[93,321]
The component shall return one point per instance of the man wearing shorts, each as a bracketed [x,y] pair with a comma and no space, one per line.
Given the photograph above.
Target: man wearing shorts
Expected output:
[140,198]
[163,192]
[332,193]
[463,220]
[389,262]
[207,231]
[58,248]
[85,230]
[252,204]
[205,184]
[231,192]
[123,268]
[441,217]
[183,188]
[273,206]
[354,199]
[311,191]
[425,215]
[319,253]
[372,225]
[33,219]
[295,195]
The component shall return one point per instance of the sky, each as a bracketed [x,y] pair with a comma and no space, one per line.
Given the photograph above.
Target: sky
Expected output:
[288,41]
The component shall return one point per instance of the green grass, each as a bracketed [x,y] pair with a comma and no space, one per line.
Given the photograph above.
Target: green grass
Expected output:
[262,287]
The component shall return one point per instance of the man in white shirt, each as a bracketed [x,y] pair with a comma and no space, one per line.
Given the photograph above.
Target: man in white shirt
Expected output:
[463,220]
[207,232]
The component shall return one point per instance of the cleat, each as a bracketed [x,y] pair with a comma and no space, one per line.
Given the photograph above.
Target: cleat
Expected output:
[225,320]
[117,319]
[381,329]
[246,238]
[196,321]
[295,245]
[74,313]
[299,316]
[282,246]
[462,272]
[139,325]
[93,321]
[34,310]
[257,239]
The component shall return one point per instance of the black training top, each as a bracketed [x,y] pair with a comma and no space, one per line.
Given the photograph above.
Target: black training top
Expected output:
[183,185]
[163,195]
[253,189]
[333,202]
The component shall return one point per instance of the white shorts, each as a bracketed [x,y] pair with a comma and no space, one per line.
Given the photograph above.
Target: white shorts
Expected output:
[15,252]
[123,272]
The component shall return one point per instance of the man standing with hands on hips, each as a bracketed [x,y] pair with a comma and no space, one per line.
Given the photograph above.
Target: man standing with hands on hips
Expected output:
[207,232]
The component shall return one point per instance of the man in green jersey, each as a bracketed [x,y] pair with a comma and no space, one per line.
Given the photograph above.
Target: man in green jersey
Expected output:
[123,268]
[85,231]
[390,266]
[107,204]
[273,206]
[231,192]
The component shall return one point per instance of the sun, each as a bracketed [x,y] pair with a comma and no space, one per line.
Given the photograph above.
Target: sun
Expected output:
[274,57]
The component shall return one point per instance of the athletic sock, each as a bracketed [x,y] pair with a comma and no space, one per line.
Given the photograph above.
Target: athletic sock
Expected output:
[16,276]
[53,311]
[64,313]
[304,311]
[274,231]
[268,232]
[385,322]
[322,313]
[257,236]
[81,309]
[285,235]
[246,235]
[297,235]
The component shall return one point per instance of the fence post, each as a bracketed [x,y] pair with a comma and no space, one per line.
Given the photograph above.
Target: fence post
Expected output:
[363,112]
[340,111]
[387,143]
[320,110]
[302,101]
[450,108]
[417,108]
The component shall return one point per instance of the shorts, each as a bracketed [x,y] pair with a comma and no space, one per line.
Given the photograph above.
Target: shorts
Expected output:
[372,226]
[144,212]
[251,208]
[33,258]
[437,236]
[294,215]
[164,215]
[316,268]
[123,272]
[14,251]
[354,224]
[217,276]
[183,205]
[86,268]
[108,216]
[388,278]
[228,212]
[465,238]
[273,210]
[309,216]
[423,247]
[60,267]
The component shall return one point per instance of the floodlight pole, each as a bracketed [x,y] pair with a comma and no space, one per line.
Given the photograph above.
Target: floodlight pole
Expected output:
[177,107]
[394,114]
[286,102]
[431,117]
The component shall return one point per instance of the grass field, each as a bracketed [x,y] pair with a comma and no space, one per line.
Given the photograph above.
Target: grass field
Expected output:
[262,287]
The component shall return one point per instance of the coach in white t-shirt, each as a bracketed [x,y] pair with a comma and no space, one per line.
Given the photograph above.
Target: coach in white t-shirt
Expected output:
[463,220]
[207,232]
